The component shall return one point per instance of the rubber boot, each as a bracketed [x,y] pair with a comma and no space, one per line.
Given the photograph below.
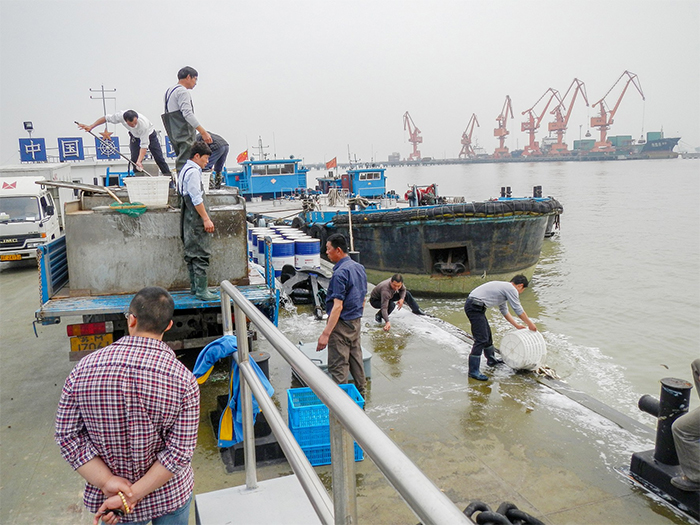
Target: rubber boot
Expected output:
[474,364]
[378,317]
[193,285]
[490,353]
[202,290]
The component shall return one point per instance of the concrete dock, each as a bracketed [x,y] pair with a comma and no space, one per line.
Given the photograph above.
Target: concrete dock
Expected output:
[508,439]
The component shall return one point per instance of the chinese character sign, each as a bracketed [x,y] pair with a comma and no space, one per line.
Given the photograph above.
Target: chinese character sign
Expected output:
[169,151]
[70,149]
[107,149]
[32,150]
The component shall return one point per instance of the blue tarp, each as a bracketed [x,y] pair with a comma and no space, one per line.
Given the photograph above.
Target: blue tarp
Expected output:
[230,432]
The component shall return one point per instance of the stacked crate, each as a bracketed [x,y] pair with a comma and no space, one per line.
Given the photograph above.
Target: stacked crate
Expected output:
[308,421]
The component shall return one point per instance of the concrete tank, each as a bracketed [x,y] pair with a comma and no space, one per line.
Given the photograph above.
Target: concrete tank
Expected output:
[111,253]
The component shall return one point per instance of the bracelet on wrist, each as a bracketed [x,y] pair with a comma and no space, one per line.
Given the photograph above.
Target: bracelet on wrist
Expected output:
[126,505]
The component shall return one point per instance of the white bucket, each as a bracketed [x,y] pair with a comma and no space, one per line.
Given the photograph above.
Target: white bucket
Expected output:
[151,191]
[206,177]
[523,349]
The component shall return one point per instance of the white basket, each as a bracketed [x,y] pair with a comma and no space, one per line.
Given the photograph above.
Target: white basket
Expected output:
[523,349]
[151,191]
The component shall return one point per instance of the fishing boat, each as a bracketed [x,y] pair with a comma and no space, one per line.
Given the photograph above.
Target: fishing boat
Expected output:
[442,245]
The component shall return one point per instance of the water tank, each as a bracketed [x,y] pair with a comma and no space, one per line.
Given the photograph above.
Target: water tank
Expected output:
[523,349]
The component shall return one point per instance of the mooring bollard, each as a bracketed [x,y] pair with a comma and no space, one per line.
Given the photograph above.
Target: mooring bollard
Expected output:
[672,403]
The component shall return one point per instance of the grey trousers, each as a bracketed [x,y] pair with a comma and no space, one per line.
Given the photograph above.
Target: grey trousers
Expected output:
[345,353]
[686,436]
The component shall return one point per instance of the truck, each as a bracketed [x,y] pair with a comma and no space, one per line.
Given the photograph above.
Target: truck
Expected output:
[105,257]
[30,215]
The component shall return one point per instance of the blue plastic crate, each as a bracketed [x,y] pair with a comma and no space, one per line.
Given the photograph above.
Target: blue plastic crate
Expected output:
[312,436]
[321,454]
[305,409]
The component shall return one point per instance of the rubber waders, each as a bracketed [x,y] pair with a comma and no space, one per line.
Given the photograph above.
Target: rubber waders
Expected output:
[202,292]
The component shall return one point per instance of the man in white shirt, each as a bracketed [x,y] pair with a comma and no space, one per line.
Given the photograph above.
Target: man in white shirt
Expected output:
[142,137]
[196,226]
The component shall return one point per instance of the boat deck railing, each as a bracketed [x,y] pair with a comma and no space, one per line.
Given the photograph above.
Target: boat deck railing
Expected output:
[348,422]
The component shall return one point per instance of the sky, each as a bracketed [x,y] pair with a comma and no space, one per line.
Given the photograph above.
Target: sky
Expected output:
[324,79]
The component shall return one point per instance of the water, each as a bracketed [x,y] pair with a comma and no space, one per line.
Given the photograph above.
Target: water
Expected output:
[617,292]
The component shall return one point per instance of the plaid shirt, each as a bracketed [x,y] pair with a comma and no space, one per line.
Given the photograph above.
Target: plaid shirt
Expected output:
[132,403]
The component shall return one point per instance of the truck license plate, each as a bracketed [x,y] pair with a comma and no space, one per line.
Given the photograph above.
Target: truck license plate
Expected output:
[90,342]
[12,257]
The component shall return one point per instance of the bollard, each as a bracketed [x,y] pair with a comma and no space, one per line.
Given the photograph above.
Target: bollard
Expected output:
[355,256]
[672,403]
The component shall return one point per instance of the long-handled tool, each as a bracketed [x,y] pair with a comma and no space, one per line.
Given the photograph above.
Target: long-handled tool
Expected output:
[133,209]
[115,149]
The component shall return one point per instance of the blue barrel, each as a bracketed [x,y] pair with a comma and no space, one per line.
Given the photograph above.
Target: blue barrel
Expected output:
[282,253]
[261,245]
[258,233]
[307,252]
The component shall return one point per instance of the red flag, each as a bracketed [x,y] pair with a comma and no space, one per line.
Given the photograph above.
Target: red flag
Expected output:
[242,157]
[332,163]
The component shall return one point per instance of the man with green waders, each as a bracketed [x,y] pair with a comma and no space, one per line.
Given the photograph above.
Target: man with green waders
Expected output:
[195,225]
[179,120]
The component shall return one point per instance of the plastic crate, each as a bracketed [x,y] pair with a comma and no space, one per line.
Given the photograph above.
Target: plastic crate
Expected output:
[305,409]
[321,455]
[151,191]
[312,436]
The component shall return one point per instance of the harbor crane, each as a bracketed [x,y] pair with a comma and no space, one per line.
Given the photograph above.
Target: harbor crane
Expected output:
[532,124]
[413,136]
[561,121]
[501,132]
[467,151]
[605,119]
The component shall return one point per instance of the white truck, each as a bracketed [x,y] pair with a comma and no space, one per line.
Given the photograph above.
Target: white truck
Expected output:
[30,214]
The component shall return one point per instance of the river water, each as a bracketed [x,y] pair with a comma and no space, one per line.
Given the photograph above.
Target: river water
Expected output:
[617,293]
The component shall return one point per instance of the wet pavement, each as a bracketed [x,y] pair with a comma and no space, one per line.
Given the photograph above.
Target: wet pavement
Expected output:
[508,439]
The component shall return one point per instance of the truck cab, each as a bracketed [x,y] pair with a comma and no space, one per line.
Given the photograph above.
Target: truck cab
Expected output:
[28,217]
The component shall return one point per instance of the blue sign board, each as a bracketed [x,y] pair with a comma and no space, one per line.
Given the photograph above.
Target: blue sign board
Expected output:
[107,149]
[169,151]
[70,148]
[32,150]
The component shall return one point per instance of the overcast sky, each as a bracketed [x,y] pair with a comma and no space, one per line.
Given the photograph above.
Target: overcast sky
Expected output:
[314,78]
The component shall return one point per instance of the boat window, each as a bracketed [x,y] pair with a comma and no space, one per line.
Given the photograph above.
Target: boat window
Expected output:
[273,169]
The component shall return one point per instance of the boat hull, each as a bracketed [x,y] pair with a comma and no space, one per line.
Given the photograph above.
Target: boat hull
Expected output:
[444,254]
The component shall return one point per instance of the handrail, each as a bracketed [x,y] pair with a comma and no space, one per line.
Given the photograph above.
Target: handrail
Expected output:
[421,494]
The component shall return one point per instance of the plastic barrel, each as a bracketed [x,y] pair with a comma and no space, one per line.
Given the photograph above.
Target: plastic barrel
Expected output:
[282,253]
[523,349]
[307,252]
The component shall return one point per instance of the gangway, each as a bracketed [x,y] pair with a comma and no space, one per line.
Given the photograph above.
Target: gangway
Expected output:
[348,422]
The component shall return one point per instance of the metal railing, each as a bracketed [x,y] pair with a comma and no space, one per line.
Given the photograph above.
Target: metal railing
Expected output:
[347,421]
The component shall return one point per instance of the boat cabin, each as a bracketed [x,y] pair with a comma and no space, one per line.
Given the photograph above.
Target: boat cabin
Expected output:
[366,182]
[269,179]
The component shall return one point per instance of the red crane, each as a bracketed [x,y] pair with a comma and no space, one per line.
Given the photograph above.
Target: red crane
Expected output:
[467,150]
[561,121]
[605,119]
[501,131]
[413,136]
[532,123]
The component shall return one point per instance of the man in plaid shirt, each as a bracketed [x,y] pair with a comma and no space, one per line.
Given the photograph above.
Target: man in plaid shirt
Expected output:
[128,418]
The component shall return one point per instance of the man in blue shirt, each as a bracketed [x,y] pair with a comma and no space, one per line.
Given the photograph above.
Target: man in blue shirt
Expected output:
[494,293]
[345,302]
[195,225]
